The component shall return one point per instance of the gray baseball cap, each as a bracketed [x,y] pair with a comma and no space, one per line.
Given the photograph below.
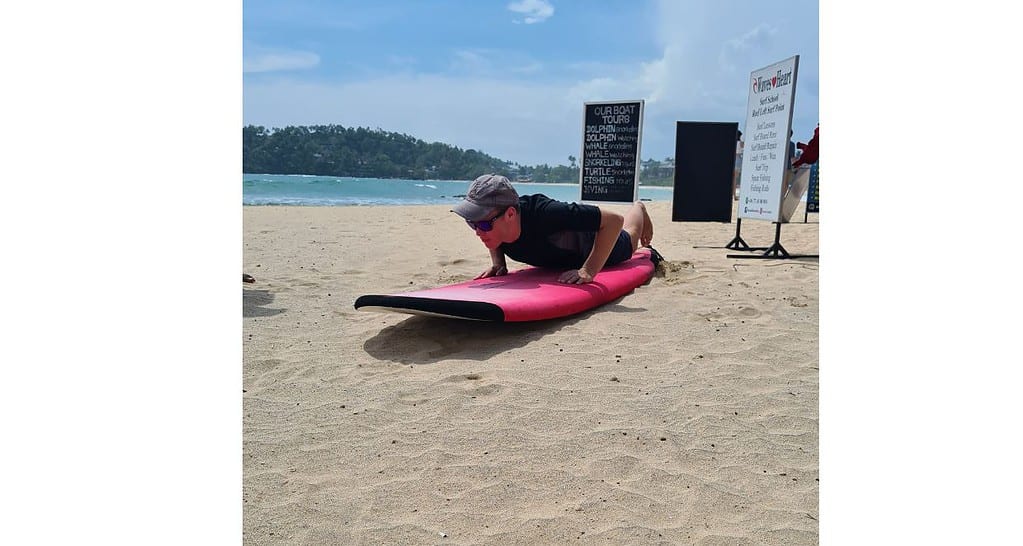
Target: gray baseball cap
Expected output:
[488,192]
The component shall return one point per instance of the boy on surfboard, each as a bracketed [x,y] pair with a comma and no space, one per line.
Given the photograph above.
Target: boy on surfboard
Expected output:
[543,232]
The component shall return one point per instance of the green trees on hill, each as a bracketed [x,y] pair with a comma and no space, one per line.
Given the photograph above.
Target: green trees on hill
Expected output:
[333,150]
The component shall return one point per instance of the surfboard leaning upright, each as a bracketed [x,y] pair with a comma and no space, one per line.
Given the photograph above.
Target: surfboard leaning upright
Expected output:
[525,295]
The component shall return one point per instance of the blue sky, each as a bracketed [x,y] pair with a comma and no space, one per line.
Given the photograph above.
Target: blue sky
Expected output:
[510,78]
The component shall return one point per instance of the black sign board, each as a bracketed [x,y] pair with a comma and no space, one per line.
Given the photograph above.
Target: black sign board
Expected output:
[610,158]
[704,171]
[813,203]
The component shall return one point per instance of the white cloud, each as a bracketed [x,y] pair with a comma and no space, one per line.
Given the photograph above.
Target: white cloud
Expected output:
[759,36]
[483,62]
[707,55]
[739,50]
[471,61]
[536,11]
[275,61]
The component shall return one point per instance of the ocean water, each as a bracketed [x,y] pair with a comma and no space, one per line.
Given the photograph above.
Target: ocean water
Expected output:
[309,190]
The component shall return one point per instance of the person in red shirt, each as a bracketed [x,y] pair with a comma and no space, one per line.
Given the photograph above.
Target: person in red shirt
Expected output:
[810,151]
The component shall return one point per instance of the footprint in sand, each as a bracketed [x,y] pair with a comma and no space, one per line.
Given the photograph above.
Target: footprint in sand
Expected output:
[412,399]
[749,312]
[711,316]
[463,377]
[484,390]
[478,390]
[456,261]
[744,312]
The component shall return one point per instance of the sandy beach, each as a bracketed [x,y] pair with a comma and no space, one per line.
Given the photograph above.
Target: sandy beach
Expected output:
[683,413]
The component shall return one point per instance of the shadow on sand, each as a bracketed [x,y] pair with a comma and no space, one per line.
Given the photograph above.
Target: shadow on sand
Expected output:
[253,302]
[427,340]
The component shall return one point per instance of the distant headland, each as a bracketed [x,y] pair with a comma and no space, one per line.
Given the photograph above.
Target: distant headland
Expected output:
[333,150]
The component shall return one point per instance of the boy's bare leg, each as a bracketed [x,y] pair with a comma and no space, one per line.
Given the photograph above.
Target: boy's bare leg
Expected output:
[638,225]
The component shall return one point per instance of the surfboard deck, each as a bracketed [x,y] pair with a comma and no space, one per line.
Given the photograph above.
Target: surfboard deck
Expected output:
[528,294]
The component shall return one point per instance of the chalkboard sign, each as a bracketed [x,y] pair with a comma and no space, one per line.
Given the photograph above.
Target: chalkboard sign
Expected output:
[813,203]
[610,156]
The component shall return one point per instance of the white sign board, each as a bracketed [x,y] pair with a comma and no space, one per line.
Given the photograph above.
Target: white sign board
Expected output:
[765,158]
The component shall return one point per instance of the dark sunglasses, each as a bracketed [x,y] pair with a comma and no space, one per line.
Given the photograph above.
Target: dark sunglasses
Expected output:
[486,225]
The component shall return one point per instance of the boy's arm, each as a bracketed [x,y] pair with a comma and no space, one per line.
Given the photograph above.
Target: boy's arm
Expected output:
[610,226]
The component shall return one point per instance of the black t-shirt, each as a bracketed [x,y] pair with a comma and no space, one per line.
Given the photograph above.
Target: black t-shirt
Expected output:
[554,233]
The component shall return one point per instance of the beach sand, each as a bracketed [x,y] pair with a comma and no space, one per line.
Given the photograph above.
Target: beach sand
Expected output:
[683,413]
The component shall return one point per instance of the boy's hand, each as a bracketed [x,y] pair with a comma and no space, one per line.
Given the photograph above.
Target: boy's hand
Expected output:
[494,271]
[576,276]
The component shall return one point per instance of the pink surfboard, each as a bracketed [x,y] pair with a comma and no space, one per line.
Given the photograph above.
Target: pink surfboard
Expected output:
[524,295]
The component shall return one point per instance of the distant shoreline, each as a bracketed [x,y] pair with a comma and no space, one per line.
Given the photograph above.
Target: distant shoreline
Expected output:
[306,190]
[433,179]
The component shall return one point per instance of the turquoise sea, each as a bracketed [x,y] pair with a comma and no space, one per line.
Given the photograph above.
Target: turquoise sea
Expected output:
[309,190]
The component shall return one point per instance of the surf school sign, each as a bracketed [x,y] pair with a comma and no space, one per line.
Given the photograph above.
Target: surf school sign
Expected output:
[772,92]
[609,170]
